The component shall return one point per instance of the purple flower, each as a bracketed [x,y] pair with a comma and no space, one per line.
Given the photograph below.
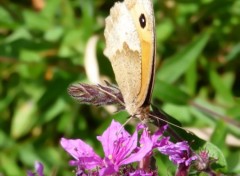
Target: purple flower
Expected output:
[85,157]
[142,173]
[38,168]
[120,148]
[179,153]
[204,161]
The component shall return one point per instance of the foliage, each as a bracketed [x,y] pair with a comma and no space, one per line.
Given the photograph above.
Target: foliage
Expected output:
[42,51]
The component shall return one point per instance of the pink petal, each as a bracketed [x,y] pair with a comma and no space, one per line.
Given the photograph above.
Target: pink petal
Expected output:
[126,149]
[145,148]
[159,133]
[111,135]
[82,152]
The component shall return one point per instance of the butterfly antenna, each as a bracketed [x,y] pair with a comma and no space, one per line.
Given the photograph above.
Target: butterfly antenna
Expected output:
[125,123]
[163,120]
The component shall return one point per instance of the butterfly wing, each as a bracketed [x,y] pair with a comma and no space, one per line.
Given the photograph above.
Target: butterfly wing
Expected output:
[130,49]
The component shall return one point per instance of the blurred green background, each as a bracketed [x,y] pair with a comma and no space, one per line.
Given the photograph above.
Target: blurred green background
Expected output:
[42,46]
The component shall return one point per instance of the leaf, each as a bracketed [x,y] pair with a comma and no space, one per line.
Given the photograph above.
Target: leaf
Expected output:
[68,13]
[182,113]
[9,165]
[54,34]
[29,56]
[36,21]
[221,89]
[20,33]
[217,113]
[170,93]
[53,111]
[23,119]
[6,19]
[233,162]
[191,78]
[201,119]
[175,66]
[164,30]
[234,127]
[234,53]
[219,135]
[164,166]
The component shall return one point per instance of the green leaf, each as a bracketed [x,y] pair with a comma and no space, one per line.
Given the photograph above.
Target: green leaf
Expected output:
[6,20]
[5,140]
[9,165]
[20,33]
[233,162]
[177,65]
[54,34]
[233,124]
[201,118]
[234,53]
[164,166]
[164,30]
[182,113]
[36,21]
[68,13]
[23,119]
[170,93]
[54,110]
[191,78]
[71,41]
[219,135]
[29,56]
[29,155]
[221,88]
[213,111]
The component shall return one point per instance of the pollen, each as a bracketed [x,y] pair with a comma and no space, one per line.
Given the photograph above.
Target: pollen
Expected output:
[110,157]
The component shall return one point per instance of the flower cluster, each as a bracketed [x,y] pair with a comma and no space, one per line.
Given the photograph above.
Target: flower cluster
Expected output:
[121,150]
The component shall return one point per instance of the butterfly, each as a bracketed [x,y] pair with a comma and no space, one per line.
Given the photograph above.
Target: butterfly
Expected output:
[131,49]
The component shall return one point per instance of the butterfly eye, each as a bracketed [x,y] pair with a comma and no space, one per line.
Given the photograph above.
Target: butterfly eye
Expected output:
[142,20]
